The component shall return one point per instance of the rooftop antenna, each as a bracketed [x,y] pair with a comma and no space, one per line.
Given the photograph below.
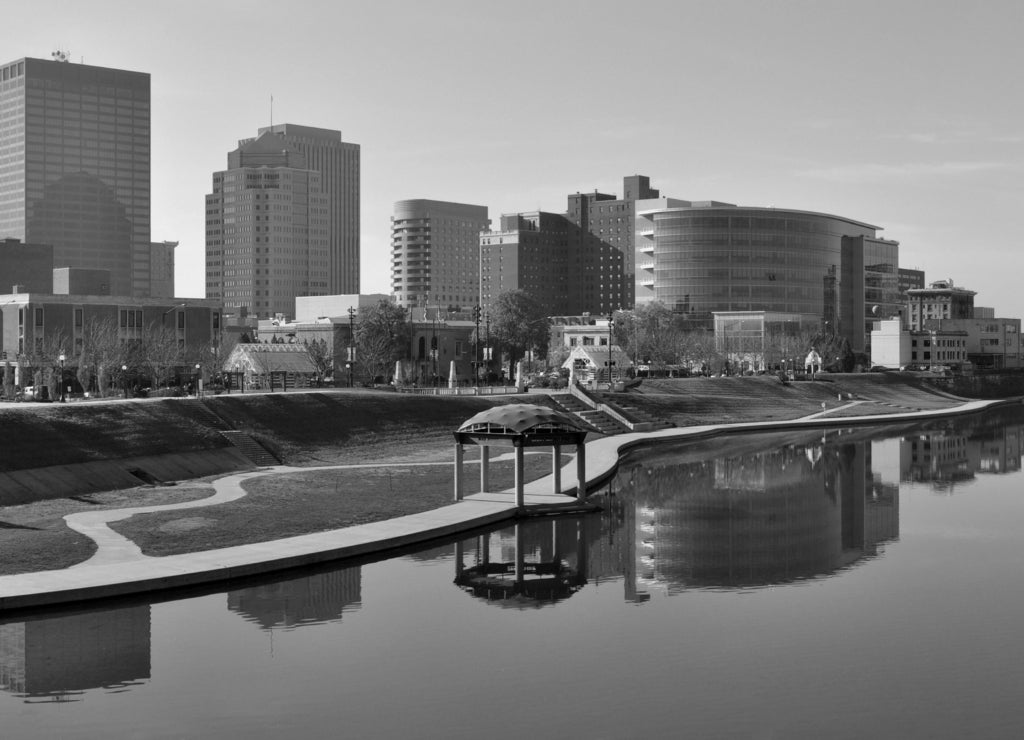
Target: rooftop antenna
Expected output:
[271,112]
[60,55]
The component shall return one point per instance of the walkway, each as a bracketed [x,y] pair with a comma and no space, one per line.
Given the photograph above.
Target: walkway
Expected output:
[119,568]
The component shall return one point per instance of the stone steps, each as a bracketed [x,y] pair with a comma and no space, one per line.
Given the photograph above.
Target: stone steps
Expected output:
[250,448]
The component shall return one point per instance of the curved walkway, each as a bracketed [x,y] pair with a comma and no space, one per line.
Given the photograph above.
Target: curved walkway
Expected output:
[119,568]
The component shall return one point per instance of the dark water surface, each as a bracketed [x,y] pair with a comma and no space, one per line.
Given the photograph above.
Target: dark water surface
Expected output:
[862,583]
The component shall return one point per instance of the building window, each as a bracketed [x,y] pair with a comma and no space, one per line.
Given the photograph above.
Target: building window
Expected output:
[39,316]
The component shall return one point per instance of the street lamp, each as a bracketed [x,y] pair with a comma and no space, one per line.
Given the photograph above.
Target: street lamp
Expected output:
[63,395]
[611,324]
[124,380]
[351,342]
[198,378]
[433,345]
[476,317]
[487,349]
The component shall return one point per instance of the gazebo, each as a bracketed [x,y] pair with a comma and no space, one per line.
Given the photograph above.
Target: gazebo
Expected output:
[519,426]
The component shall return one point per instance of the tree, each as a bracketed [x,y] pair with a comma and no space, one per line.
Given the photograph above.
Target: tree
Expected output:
[650,334]
[518,324]
[161,353]
[103,355]
[211,358]
[382,337]
[321,357]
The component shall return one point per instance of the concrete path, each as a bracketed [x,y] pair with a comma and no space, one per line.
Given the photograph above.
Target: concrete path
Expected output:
[119,568]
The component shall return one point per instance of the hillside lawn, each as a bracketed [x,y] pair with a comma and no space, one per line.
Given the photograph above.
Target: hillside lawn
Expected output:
[309,429]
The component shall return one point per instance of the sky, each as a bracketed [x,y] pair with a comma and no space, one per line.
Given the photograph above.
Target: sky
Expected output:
[905,114]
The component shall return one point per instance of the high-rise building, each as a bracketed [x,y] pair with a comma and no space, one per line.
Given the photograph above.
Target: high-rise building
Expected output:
[706,257]
[337,162]
[435,253]
[589,252]
[161,264]
[283,221]
[602,247]
[528,252]
[75,166]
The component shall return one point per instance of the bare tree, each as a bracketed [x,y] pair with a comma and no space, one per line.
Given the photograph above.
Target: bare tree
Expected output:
[103,354]
[321,357]
[160,354]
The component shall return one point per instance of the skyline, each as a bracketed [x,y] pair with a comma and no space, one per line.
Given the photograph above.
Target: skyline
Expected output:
[900,115]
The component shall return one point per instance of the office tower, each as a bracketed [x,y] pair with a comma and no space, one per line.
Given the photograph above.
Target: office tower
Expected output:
[162,269]
[529,252]
[337,162]
[435,253]
[707,257]
[582,261]
[267,230]
[602,245]
[75,166]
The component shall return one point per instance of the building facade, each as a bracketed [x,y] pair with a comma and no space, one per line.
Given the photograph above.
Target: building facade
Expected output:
[580,261]
[528,252]
[940,300]
[35,328]
[75,166]
[161,262]
[435,253]
[338,163]
[268,234]
[710,256]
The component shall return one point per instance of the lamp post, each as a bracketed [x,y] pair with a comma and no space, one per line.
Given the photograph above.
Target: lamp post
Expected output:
[433,346]
[351,342]
[63,395]
[476,352]
[611,324]
[487,349]
[198,378]
[124,380]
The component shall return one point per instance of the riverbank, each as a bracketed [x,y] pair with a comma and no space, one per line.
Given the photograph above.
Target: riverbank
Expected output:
[404,448]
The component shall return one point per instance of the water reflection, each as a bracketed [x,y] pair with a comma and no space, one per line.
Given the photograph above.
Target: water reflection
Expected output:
[297,602]
[754,518]
[60,658]
[527,566]
[728,514]
[951,455]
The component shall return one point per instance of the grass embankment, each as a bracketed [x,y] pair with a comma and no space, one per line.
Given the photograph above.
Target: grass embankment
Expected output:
[301,428]
[326,428]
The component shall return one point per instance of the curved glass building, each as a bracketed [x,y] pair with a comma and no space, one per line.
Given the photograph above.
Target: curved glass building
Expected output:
[704,257]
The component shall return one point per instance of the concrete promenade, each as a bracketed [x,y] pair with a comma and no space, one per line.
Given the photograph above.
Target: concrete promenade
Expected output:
[118,568]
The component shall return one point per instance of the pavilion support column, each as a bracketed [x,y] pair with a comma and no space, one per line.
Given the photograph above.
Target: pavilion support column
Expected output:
[581,471]
[458,471]
[485,468]
[556,469]
[520,498]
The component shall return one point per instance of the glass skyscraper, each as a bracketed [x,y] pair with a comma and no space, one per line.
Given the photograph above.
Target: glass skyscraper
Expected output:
[75,166]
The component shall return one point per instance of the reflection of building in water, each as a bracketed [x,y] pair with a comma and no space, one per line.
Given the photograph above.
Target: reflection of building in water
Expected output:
[999,449]
[530,565]
[948,456]
[936,456]
[57,656]
[312,599]
[766,517]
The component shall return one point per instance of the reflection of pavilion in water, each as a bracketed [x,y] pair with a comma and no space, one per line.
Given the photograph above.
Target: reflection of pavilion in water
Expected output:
[58,657]
[529,565]
[764,517]
[297,602]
